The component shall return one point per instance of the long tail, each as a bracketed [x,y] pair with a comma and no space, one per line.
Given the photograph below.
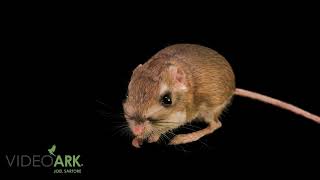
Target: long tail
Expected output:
[276,102]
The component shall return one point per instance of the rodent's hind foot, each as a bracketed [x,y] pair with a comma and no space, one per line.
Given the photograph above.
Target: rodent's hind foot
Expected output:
[183,139]
[194,136]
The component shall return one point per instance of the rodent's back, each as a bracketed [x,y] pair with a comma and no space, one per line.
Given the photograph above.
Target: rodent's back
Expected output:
[212,77]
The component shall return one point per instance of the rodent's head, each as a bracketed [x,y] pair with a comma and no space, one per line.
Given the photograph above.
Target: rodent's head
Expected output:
[157,95]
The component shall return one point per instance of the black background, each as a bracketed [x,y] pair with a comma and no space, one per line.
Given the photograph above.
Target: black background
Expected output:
[65,75]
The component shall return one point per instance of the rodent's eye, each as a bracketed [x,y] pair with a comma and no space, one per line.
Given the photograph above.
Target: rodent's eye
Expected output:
[166,100]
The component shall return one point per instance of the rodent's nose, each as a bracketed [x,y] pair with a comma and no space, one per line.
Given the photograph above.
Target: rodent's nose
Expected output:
[138,129]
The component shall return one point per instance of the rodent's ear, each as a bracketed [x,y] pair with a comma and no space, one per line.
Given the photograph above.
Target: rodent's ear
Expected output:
[179,77]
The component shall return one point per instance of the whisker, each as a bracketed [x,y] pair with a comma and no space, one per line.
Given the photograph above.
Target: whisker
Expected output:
[203,143]
[161,140]
[167,122]
[116,126]
[110,115]
[98,101]
[183,127]
[190,125]
[164,135]
[119,126]
[118,130]
[122,131]
[166,125]
[127,132]
[180,148]
[118,122]
[171,133]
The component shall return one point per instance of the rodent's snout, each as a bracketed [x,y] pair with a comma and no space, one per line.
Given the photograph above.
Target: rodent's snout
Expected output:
[138,129]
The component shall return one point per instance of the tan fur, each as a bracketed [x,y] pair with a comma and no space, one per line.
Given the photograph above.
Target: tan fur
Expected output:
[202,84]
[206,87]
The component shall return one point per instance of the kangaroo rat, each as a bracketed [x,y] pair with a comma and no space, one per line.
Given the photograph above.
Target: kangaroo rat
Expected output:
[181,83]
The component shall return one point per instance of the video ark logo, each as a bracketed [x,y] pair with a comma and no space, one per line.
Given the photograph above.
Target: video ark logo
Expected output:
[62,164]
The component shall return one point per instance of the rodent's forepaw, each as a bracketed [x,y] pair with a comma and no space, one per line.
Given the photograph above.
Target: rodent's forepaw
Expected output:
[137,142]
